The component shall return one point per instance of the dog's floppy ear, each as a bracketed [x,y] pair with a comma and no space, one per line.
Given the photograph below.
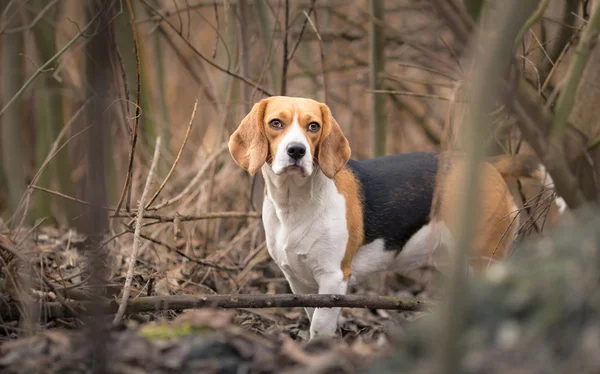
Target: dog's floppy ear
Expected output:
[334,149]
[248,144]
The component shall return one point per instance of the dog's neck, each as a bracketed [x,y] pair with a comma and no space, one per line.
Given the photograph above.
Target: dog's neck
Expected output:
[291,193]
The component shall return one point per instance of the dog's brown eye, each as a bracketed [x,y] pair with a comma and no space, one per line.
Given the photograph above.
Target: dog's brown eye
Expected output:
[313,127]
[276,124]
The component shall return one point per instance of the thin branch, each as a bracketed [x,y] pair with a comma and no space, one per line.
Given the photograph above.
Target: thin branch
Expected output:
[321,49]
[180,218]
[556,64]
[286,61]
[187,134]
[195,180]
[66,197]
[136,235]
[295,47]
[137,110]
[182,254]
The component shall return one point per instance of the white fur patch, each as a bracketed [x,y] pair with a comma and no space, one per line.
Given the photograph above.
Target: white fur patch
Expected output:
[549,183]
[562,205]
[372,258]
[282,160]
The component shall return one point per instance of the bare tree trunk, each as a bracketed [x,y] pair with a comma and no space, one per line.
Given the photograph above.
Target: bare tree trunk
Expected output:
[99,52]
[11,121]
[376,67]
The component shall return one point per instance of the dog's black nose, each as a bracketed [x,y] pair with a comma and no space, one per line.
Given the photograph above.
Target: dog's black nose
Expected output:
[296,150]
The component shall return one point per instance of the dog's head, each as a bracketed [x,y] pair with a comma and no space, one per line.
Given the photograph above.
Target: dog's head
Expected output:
[291,135]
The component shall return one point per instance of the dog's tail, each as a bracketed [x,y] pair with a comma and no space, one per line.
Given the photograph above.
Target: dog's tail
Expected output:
[526,166]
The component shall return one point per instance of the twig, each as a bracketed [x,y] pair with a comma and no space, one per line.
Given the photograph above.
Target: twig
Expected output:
[136,235]
[182,254]
[562,39]
[187,134]
[286,61]
[179,218]
[66,197]
[195,180]
[137,109]
[321,49]
[555,65]
[295,47]
[182,302]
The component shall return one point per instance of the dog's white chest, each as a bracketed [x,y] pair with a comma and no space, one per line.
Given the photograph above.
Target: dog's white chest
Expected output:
[291,250]
[309,244]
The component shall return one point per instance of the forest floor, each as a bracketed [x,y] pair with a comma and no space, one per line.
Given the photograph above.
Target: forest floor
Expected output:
[202,340]
[536,312]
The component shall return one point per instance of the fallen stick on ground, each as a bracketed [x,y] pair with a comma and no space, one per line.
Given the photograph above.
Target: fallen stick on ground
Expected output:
[54,310]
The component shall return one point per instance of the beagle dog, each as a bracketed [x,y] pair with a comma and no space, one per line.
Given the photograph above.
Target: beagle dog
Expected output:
[330,222]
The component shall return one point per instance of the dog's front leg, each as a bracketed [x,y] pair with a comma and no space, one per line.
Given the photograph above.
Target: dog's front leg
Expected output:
[325,320]
[298,287]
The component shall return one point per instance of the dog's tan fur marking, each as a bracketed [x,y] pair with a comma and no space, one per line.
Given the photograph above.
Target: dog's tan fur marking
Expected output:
[349,187]
[334,149]
[511,167]
[248,144]
[495,229]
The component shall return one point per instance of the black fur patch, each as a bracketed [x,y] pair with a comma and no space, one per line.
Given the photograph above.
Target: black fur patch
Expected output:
[397,192]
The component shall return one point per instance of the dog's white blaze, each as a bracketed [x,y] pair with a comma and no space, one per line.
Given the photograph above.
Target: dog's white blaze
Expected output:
[293,135]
